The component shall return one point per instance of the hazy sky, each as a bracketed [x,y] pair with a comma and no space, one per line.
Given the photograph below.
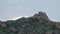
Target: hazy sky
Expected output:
[10,9]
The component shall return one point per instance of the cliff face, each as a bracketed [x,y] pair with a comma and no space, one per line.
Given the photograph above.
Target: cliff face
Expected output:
[37,24]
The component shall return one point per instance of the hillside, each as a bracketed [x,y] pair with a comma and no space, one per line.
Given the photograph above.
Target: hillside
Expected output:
[37,24]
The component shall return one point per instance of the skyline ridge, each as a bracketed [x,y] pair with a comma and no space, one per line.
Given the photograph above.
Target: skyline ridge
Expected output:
[18,17]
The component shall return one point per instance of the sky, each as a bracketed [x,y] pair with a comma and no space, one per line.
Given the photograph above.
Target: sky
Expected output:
[12,9]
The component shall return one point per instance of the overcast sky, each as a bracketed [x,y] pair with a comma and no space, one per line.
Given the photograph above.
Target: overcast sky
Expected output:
[11,9]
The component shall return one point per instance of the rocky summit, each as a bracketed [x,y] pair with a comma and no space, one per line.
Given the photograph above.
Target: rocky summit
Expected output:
[41,15]
[37,24]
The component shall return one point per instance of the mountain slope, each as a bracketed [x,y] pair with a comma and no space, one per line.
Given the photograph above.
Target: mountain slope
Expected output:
[37,24]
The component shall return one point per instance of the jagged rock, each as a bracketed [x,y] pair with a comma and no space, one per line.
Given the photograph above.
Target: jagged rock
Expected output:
[41,16]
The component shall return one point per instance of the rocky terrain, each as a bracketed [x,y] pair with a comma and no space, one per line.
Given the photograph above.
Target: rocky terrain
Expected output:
[37,24]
